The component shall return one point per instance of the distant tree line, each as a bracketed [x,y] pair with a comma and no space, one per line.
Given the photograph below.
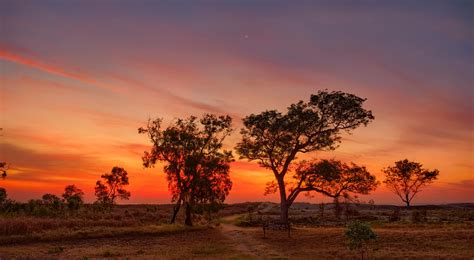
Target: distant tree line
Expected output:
[72,199]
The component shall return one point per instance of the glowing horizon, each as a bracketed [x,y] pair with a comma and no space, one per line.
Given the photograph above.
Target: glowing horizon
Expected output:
[77,80]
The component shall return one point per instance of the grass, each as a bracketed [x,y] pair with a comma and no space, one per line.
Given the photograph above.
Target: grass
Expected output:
[182,244]
[124,233]
[56,250]
[97,232]
[214,249]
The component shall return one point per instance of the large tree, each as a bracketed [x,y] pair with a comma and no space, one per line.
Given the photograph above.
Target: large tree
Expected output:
[196,165]
[113,187]
[274,139]
[406,178]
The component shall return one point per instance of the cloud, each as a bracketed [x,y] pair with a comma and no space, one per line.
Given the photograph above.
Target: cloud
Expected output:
[11,56]
[30,164]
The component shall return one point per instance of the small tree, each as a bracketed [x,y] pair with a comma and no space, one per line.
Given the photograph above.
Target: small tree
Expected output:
[3,169]
[52,201]
[3,195]
[73,197]
[112,187]
[274,139]
[407,178]
[359,234]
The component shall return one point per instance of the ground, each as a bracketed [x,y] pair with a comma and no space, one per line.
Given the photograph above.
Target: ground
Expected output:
[227,238]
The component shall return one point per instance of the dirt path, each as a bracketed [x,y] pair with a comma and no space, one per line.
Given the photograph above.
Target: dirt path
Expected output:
[245,242]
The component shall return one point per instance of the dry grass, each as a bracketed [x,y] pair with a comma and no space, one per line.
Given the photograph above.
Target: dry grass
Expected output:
[402,242]
[139,232]
[204,243]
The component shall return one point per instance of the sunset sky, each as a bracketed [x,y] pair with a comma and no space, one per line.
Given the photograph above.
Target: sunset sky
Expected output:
[77,78]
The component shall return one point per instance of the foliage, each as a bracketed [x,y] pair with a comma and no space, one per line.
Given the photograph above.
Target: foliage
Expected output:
[196,166]
[333,178]
[3,169]
[52,201]
[407,178]
[274,139]
[3,195]
[359,234]
[73,197]
[112,187]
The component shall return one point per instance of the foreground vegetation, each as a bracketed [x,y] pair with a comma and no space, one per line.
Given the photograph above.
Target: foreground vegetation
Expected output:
[142,231]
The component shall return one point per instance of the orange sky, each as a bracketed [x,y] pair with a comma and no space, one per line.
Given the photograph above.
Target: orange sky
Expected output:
[75,86]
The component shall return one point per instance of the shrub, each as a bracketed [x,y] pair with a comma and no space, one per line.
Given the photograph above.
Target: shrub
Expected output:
[359,234]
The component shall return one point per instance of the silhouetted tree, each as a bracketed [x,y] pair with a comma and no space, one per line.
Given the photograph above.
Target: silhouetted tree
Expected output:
[274,139]
[3,167]
[197,167]
[332,178]
[3,195]
[407,178]
[52,201]
[73,197]
[113,187]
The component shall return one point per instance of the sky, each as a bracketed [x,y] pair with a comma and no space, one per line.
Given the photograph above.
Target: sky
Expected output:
[77,79]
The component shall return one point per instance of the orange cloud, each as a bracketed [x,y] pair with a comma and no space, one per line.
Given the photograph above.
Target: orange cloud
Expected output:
[51,69]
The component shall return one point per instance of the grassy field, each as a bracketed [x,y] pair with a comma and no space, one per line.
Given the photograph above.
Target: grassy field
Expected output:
[142,232]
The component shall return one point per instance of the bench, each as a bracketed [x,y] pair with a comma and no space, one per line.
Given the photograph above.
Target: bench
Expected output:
[276,226]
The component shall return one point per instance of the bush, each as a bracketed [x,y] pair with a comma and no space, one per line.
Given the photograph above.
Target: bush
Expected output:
[359,234]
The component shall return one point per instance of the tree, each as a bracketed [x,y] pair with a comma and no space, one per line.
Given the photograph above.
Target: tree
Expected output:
[113,187]
[3,195]
[275,139]
[407,178]
[52,201]
[73,197]
[3,169]
[332,178]
[196,165]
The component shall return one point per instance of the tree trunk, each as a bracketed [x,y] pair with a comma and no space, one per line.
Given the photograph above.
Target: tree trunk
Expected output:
[283,201]
[188,221]
[176,210]
[407,201]
[337,208]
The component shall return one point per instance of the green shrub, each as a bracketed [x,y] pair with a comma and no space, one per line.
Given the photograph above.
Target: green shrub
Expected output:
[359,234]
